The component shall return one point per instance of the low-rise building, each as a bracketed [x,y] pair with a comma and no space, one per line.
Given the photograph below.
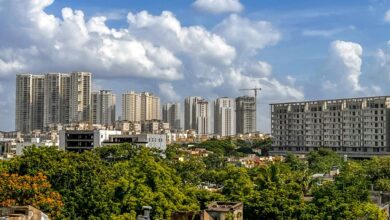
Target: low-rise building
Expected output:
[22,213]
[224,211]
[86,140]
[81,140]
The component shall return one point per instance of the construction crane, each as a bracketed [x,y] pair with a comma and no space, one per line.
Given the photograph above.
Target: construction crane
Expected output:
[253,89]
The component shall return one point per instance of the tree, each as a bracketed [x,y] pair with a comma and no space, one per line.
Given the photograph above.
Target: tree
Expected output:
[25,190]
[323,160]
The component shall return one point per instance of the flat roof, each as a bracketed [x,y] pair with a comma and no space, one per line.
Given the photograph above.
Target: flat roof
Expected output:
[329,100]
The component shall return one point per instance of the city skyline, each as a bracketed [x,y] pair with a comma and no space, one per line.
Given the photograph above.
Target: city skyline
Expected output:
[300,51]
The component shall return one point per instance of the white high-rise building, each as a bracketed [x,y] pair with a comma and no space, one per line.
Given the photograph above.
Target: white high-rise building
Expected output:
[131,106]
[201,113]
[171,115]
[57,99]
[189,121]
[80,98]
[103,107]
[224,117]
[245,115]
[29,102]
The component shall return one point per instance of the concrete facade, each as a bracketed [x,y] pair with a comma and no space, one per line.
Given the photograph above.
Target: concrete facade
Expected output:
[245,115]
[355,126]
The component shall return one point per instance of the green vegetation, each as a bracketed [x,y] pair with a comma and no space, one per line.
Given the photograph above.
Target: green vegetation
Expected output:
[115,182]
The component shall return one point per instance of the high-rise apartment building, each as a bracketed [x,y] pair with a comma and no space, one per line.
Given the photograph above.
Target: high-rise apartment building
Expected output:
[140,107]
[29,102]
[245,115]
[80,98]
[131,107]
[54,98]
[150,107]
[189,121]
[356,126]
[224,117]
[201,114]
[171,115]
[57,99]
[103,107]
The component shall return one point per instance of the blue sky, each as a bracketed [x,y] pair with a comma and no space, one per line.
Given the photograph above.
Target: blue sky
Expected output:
[294,50]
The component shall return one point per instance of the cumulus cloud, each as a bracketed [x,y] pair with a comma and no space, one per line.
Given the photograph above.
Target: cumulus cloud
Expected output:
[73,42]
[168,92]
[219,6]
[344,66]
[247,35]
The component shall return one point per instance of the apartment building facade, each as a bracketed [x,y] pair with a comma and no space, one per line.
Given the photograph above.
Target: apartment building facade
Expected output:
[224,117]
[103,107]
[171,114]
[201,114]
[80,101]
[54,98]
[356,126]
[245,115]
[29,104]
[189,121]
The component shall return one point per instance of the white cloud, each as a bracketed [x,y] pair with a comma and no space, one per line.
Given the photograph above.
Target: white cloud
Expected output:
[168,92]
[342,75]
[219,6]
[387,16]
[194,41]
[346,59]
[247,35]
[327,32]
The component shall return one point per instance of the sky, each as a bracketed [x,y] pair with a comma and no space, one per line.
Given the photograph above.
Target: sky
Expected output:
[294,50]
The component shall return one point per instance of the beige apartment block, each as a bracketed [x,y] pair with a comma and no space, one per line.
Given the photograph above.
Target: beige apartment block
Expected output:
[356,126]
[131,106]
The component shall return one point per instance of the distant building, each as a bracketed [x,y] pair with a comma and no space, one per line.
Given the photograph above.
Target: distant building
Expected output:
[22,213]
[171,114]
[224,210]
[245,115]
[357,127]
[201,114]
[80,98]
[45,100]
[224,117]
[189,121]
[79,141]
[57,99]
[29,107]
[103,107]
[148,140]
[137,107]
[131,107]
[150,107]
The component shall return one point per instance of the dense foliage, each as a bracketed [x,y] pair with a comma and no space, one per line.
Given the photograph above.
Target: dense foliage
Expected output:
[115,182]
